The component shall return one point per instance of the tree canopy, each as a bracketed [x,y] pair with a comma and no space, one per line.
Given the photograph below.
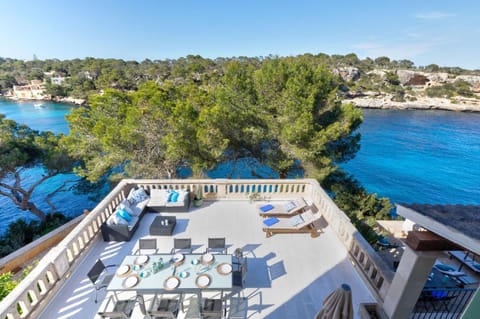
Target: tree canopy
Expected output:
[22,148]
[281,111]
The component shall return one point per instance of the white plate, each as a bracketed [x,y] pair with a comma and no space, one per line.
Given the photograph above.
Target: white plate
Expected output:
[225,268]
[140,260]
[122,270]
[207,258]
[203,280]
[171,283]
[131,281]
[178,257]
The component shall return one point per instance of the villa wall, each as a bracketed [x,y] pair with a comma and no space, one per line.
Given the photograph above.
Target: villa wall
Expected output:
[40,286]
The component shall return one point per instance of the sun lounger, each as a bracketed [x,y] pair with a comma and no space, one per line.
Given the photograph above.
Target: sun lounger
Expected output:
[284,209]
[302,223]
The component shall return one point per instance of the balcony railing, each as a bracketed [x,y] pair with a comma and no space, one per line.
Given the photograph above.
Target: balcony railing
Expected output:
[442,303]
[40,286]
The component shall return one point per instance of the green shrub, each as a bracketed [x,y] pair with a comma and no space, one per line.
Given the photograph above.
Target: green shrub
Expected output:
[22,232]
[362,208]
[7,283]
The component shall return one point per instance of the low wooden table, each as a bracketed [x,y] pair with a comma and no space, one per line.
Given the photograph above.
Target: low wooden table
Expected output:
[163,225]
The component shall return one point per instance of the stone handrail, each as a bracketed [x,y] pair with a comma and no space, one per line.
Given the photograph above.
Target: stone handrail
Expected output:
[35,290]
[370,265]
[27,253]
[40,286]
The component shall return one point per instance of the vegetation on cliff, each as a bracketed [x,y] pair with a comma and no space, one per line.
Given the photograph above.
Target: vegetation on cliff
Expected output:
[148,119]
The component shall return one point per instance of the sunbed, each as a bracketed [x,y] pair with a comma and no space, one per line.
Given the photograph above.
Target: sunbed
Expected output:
[284,209]
[302,223]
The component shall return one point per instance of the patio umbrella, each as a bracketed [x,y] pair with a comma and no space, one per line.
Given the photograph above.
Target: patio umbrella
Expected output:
[337,305]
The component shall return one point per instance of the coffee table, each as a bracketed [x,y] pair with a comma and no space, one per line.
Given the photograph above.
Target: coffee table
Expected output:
[163,225]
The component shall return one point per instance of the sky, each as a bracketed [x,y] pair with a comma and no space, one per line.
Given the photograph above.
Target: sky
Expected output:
[442,32]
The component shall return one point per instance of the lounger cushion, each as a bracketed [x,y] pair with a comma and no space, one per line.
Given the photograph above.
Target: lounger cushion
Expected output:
[289,206]
[296,220]
[444,267]
[266,208]
[270,221]
[477,266]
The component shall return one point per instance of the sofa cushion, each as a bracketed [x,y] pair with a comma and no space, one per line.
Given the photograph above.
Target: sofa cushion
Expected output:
[125,205]
[173,196]
[121,221]
[112,220]
[137,195]
[123,214]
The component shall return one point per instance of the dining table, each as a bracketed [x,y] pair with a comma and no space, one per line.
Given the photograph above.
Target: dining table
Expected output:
[173,273]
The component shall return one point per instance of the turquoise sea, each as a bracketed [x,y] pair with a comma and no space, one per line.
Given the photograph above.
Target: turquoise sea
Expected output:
[408,156]
[48,116]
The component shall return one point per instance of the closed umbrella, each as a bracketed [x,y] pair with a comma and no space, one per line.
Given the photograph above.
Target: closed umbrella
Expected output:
[337,305]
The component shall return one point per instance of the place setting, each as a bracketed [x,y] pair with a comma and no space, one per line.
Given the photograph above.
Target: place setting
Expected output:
[123,270]
[171,283]
[131,281]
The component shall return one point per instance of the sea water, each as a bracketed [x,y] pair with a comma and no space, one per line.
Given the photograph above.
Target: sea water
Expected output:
[430,157]
[47,116]
[407,156]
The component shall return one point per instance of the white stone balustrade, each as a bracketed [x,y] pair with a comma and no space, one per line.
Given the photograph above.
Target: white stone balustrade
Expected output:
[39,287]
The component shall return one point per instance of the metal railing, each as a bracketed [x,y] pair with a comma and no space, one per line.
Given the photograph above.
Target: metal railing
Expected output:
[40,286]
[442,303]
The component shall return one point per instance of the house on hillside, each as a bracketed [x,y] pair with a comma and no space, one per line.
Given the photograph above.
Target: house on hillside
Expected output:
[34,90]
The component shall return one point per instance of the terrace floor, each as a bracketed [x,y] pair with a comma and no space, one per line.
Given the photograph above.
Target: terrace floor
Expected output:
[289,275]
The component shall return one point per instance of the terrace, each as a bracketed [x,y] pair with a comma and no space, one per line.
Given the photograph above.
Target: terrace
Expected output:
[289,275]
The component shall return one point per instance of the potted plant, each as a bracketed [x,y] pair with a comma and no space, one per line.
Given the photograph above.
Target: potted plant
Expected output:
[198,197]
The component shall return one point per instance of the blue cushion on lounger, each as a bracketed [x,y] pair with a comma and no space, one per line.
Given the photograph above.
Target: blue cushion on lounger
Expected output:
[266,208]
[270,221]
[444,267]
[477,266]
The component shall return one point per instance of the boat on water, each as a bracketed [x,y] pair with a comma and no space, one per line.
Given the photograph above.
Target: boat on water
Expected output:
[38,105]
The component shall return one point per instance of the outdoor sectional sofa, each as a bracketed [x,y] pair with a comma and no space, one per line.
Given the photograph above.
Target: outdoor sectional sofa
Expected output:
[120,229]
[161,200]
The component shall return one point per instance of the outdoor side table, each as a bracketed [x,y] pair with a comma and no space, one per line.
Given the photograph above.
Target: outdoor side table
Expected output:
[163,225]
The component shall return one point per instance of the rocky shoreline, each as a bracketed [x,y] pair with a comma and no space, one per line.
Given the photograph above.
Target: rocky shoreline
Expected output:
[423,103]
[57,99]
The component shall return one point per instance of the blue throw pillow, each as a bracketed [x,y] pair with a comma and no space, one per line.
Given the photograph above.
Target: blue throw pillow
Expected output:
[174,196]
[270,221]
[266,208]
[444,267]
[123,214]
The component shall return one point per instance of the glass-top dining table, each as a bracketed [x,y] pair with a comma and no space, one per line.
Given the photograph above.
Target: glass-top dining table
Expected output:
[173,273]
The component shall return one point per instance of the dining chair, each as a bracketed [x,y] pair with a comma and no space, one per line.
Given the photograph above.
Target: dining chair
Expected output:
[121,309]
[149,244]
[166,306]
[238,276]
[182,244]
[217,245]
[213,307]
[99,276]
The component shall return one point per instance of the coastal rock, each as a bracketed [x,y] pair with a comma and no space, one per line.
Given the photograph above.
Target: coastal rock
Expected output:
[347,73]
[407,77]
[422,103]
[440,77]
[380,73]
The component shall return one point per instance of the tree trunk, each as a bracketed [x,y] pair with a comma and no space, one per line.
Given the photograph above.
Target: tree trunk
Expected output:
[36,211]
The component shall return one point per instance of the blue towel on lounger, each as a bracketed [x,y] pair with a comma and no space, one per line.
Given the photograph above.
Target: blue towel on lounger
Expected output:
[270,221]
[266,208]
